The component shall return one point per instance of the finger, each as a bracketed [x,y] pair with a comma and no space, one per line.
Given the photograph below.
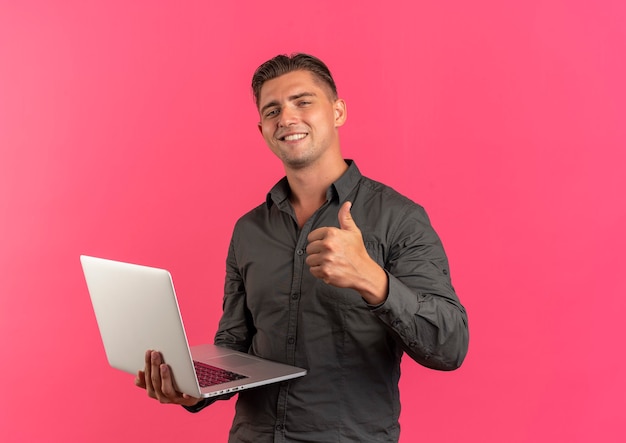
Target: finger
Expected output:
[314,247]
[346,221]
[155,374]
[313,259]
[140,380]
[167,386]
[318,234]
[148,373]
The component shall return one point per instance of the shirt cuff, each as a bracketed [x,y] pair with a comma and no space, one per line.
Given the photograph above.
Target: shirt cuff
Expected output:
[200,405]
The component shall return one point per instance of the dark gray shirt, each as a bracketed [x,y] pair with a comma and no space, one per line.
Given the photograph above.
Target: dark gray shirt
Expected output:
[276,309]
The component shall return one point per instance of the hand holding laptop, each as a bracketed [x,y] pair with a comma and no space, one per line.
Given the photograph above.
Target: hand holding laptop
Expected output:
[136,309]
[156,379]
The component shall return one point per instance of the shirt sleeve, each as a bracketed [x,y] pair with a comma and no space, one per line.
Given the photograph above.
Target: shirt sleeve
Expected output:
[206,402]
[236,329]
[422,309]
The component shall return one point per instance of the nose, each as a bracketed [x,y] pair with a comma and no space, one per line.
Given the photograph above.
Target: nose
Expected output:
[288,117]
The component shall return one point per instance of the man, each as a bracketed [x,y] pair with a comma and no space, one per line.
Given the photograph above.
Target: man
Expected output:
[334,273]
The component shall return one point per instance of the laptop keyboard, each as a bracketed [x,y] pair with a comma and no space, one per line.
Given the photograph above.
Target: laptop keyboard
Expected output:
[210,375]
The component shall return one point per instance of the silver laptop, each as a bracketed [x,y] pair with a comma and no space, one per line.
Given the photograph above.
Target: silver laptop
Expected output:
[136,310]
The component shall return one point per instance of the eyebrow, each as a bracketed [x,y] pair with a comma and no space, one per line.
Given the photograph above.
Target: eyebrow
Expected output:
[290,98]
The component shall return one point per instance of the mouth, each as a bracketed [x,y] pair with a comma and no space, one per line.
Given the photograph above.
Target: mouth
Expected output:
[293,137]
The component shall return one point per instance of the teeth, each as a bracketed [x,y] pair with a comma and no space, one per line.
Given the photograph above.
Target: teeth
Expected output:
[294,137]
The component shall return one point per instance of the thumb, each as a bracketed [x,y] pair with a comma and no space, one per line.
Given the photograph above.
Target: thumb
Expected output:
[346,221]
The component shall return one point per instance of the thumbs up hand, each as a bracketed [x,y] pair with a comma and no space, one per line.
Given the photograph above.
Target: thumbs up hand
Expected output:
[339,258]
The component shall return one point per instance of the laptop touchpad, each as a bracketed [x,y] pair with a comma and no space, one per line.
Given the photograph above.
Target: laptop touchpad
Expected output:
[234,360]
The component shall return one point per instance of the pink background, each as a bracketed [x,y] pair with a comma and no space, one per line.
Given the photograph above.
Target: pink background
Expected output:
[127,130]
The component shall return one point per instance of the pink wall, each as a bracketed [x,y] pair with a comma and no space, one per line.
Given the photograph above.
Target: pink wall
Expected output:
[127,130]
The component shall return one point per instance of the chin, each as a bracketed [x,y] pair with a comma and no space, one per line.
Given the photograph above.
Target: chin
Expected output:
[296,162]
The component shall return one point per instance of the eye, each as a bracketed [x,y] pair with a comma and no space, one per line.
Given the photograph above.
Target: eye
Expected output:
[304,103]
[272,113]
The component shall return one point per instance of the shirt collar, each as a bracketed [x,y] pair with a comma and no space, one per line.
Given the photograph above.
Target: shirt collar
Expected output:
[340,189]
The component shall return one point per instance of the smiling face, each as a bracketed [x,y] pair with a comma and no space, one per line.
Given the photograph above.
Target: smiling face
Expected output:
[300,119]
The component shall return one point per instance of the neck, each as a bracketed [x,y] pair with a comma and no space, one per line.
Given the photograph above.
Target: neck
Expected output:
[309,185]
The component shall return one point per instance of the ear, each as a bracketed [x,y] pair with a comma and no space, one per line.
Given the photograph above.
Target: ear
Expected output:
[341,112]
[260,126]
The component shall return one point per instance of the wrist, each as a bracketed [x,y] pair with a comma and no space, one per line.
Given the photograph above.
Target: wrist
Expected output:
[375,288]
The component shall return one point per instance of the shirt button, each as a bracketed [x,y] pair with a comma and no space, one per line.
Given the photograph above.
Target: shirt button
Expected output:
[279,427]
[300,251]
[294,296]
[291,340]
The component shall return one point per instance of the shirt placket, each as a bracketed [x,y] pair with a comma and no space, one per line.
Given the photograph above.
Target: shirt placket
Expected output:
[299,267]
